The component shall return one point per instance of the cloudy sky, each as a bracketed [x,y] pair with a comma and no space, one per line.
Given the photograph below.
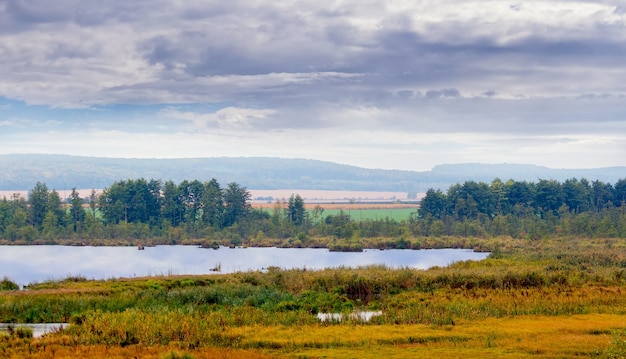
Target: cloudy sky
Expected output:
[374,83]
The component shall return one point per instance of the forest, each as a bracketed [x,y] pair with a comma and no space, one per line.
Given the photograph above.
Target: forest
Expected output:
[193,212]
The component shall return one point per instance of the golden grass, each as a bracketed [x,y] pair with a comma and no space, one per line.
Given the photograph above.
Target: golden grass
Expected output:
[572,336]
[56,351]
[512,337]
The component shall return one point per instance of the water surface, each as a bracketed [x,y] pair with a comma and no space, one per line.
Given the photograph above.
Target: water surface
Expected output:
[28,264]
[38,329]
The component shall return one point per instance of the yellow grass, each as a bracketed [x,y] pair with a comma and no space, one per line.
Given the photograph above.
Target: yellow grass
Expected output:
[512,337]
[144,352]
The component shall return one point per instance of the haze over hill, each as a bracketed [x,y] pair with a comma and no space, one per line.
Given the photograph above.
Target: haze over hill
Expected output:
[22,172]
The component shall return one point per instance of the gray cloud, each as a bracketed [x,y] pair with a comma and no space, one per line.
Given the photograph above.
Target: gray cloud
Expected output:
[393,48]
[503,68]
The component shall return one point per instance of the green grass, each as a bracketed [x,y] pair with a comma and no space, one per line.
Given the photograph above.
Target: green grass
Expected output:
[396,214]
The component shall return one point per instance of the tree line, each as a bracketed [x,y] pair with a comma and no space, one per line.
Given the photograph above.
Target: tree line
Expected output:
[191,202]
[544,198]
[140,208]
[200,212]
[517,208]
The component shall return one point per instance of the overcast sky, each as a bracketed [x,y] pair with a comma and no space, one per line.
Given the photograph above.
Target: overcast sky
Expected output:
[379,84]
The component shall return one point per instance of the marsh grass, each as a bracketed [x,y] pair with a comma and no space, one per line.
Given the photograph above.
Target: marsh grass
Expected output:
[547,298]
[22,332]
[617,347]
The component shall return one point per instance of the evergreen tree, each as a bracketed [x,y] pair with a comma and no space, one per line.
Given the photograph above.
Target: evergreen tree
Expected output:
[132,201]
[619,198]
[549,196]
[236,204]
[498,190]
[77,211]
[38,203]
[577,195]
[93,202]
[190,193]
[212,203]
[295,210]
[55,206]
[173,209]
[602,195]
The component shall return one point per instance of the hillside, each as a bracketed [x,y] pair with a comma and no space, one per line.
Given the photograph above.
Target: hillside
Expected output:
[22,172]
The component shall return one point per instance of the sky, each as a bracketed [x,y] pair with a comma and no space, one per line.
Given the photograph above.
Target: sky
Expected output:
[391,84]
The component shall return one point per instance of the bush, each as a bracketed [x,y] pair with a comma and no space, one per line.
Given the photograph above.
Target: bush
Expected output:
[24,332]
[175,355]
[21,332]
[7,284]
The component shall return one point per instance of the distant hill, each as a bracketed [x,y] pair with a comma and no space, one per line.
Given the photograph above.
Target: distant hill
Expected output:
[22,172]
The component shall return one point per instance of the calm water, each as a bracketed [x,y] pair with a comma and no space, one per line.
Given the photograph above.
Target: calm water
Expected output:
[28,264]
[38,329]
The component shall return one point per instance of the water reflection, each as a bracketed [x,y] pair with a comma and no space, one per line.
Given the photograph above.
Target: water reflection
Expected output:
[26,264]
[38,329]
[364,316]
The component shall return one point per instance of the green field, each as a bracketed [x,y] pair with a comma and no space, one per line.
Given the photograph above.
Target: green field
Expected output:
[397,214]
[365,214]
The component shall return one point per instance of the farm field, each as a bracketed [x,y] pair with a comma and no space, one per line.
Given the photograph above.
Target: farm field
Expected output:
[268,195]
[357,211]
[398,213]
[322,196]
[548,298]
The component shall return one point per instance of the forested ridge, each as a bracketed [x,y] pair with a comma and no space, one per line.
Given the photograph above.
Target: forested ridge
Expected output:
[155,212]
[21,172]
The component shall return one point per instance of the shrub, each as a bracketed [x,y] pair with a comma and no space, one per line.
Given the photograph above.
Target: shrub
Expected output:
[23,332]
[175,355]
[7,284]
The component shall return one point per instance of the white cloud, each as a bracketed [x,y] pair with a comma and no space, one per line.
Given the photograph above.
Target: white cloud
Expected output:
[230,118]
